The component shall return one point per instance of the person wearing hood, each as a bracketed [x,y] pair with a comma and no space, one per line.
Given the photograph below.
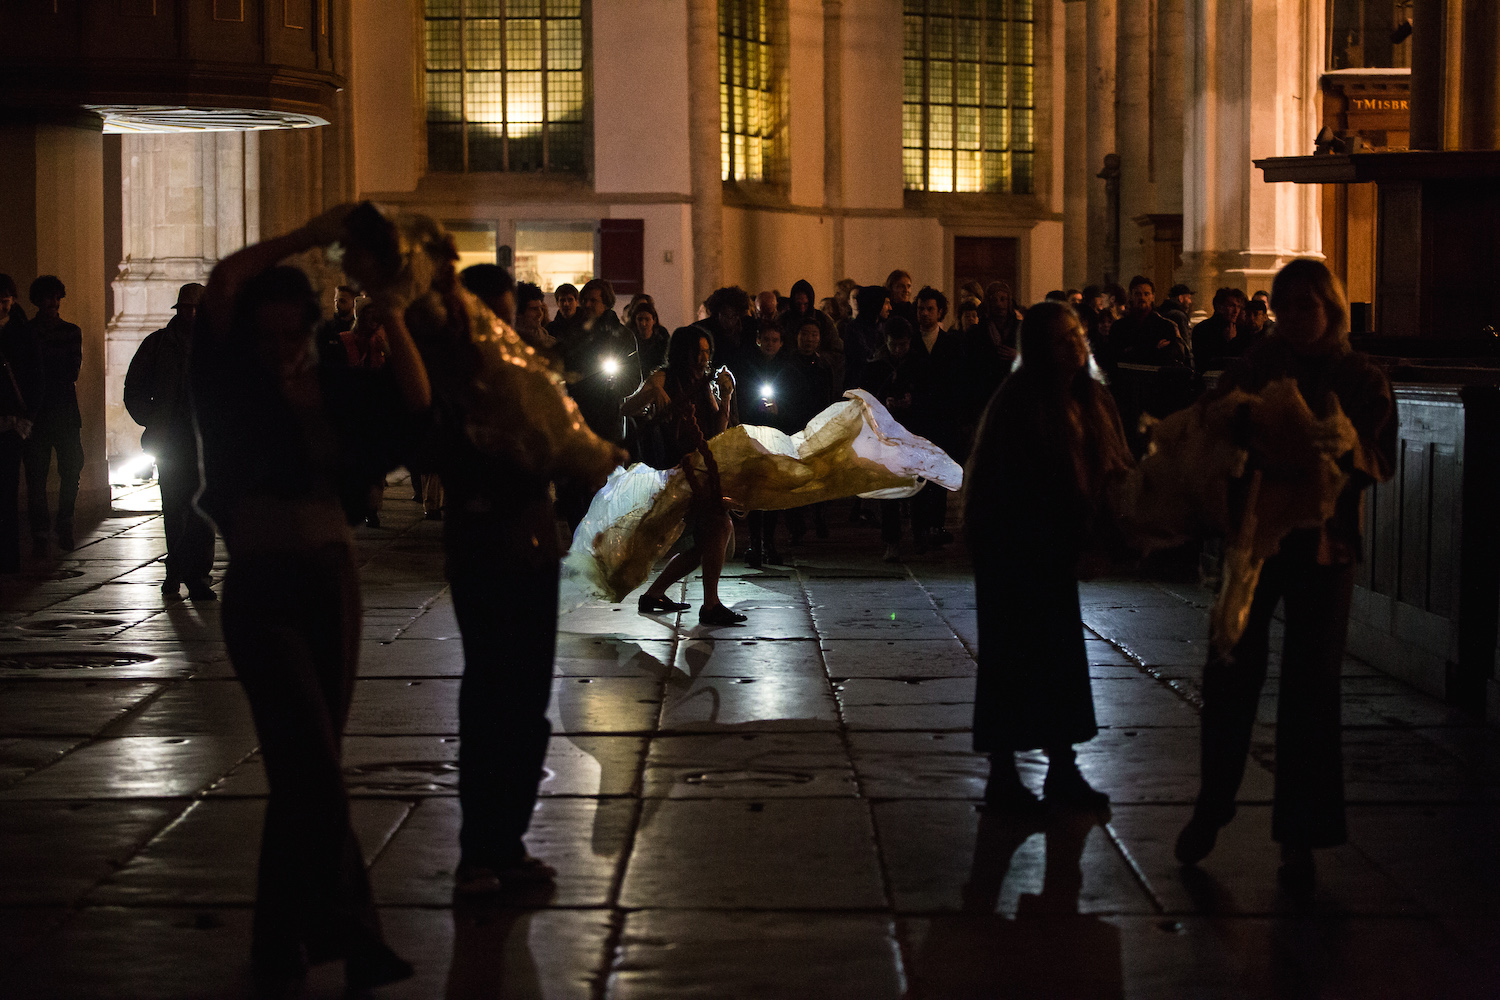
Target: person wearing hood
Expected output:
[802,307]
[157,397]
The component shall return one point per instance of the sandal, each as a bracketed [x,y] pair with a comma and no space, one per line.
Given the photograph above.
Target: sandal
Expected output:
[720,615]
[650,605]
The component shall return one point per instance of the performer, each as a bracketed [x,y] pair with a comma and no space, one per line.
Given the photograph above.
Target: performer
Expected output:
[693,406]
[1314,574]
[1048,443]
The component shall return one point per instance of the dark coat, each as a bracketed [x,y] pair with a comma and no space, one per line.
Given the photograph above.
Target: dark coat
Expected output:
[1217,343]
[331,350]
[61,347]
[23,396]
[599,395]
[157,391]
[1026,523]
[1137,338]
[757,373]
[895,384]
[939,401]
[809,389]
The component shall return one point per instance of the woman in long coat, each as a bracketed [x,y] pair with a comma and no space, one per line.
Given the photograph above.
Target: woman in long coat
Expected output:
[1049,441]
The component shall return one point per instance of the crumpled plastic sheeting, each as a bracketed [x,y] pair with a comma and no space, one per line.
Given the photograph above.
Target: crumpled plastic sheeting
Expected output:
[515,406]
[854,447]
[1193,481]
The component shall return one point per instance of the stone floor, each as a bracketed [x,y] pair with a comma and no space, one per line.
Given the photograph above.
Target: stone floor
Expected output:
[789,809]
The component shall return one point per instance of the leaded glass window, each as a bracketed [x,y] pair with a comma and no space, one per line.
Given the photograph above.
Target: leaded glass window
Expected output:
[968,115]
[752,110]
[505,87]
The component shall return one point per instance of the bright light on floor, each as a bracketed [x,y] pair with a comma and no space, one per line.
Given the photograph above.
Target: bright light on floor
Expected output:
[135,469]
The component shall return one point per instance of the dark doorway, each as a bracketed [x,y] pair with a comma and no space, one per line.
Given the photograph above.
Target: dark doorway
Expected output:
[985,259]
[622,254]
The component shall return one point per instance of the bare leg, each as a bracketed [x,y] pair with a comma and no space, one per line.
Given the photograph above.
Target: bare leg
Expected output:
[679,566]
[715,532]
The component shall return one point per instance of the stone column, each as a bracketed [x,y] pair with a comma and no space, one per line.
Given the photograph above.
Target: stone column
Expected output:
[703,147]
[1134,127]
[1167,108]
[52,222]
[1251,90]
[1100,109]
[833,126]
[187,201]
[1076,173]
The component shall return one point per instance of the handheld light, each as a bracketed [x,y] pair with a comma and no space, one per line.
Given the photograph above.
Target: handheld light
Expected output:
[610,367]
[768,391]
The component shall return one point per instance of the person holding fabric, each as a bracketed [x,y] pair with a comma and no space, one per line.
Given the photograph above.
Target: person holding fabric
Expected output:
[1048,444]
[281,455]
[692,402]
[1313,574]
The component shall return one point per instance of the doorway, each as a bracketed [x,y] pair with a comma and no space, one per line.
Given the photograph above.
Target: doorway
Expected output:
[985,259]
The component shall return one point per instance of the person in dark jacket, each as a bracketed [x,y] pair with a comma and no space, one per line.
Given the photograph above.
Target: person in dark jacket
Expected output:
[604,364]
[1220,339]
[1313,574]
[564,325]
[59,425]
[1177,307]
[767,389]
[895,377]
[730,325]
[278,450]
[810,382]
[20,392]
[938,409]
[158,397]
[651,338]
[1048,444]
[1144,336]
[802,307]
[863,335]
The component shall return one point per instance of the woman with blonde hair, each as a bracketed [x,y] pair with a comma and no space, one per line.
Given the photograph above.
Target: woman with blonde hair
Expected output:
[1313,574]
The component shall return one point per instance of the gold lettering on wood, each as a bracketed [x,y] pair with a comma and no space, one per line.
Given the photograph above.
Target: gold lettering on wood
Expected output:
[1379,104]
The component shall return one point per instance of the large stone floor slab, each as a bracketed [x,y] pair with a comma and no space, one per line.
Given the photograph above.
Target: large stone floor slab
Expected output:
[788,809]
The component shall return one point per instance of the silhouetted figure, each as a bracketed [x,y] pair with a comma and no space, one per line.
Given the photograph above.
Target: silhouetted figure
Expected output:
[279,454]
[158,397]
[1313,574]
[1048,444]
[58,426]
[20,392]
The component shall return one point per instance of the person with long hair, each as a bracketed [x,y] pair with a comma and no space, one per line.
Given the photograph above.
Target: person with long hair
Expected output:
[1048,444]
[691,402]
[1313,573]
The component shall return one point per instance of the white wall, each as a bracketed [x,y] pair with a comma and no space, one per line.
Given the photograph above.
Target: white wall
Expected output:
[641,97]
[384,82]
[872,107]
[670,283]
[805,35]
[874,247]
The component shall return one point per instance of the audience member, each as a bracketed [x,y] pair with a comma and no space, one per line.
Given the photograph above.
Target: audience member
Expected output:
[20,394]
[58,426]
[1218,340]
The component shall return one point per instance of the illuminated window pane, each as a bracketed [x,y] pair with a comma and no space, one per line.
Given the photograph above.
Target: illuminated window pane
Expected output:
[967,120]
[505,85]
[752,110]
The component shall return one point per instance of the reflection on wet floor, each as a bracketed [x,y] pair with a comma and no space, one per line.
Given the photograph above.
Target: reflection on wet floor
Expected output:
[788,809]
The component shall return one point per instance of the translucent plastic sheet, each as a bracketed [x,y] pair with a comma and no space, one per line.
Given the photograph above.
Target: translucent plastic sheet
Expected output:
[1252,467]
[854,447]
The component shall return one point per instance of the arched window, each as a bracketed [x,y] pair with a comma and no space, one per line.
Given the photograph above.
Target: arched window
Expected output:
[505,87]
[967,112]
[752,92]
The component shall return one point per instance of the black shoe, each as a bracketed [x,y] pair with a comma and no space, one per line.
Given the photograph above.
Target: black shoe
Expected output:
[773,557]
[753,558]
[171,589]
[373,520]
[372,964]
[65,537]
[201,592]
[1010,797]
[719,615]
[652,605]
[1196,841]
[433,515]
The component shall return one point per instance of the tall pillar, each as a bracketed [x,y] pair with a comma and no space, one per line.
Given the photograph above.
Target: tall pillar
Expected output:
[1100,107]
[833,126]
[1253,71]
[705,159]
[52,222]
[1076,173]
[1134,128]
[187,201]
[1167,106]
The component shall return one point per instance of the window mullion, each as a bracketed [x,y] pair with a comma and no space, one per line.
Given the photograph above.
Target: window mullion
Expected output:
[926,98]
[463,82]
[504,91]
[545,116]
